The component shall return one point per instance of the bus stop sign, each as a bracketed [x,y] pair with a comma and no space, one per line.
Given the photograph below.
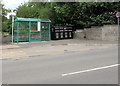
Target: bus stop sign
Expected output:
[118,14]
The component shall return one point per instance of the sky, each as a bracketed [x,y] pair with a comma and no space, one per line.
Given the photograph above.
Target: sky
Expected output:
[13,4]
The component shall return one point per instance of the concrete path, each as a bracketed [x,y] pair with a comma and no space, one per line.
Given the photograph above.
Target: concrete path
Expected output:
[27,50]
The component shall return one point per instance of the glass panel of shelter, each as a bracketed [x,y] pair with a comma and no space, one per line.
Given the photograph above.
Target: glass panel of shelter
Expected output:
[21,32]
[44,31]
[15,31]
[32,29]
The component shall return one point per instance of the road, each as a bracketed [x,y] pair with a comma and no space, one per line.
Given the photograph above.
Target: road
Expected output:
[56,69]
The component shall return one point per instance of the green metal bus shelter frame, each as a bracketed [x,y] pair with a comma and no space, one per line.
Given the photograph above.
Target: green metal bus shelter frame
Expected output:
[29,29]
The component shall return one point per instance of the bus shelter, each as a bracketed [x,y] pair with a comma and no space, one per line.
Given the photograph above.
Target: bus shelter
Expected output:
[29,29]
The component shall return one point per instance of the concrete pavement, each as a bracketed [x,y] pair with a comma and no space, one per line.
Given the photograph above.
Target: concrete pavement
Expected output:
[27,50]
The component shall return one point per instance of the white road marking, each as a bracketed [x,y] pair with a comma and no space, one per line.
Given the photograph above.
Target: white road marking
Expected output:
[94,69]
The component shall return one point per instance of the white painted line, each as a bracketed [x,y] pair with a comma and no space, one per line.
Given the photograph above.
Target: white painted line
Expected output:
[99,68]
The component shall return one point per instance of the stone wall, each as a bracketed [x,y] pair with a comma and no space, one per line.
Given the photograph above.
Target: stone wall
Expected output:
[6,39]
[110,32]
[79,34]
[93,33]
[106,32]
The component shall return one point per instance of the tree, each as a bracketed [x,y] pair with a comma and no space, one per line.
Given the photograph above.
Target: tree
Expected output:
[77,14]
[6,23]
[34,10]
[0,17]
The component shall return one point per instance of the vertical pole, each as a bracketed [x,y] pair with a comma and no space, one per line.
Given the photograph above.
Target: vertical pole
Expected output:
[18,28]
[25,32]
[45,31]
[118,16]
[12,27]
[118,29]
[41,31]
[118,22]
[49,33]
[29,31]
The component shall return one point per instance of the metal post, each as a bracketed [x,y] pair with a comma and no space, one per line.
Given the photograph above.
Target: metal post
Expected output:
[40,30]
[118,28]
[118,16]
[29,31]
[18,28]
[118,22]
[49,32]
[12,27]
[13,14]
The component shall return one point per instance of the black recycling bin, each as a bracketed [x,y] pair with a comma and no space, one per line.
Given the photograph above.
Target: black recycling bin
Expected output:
[61,32]
[68,32]
[55,33]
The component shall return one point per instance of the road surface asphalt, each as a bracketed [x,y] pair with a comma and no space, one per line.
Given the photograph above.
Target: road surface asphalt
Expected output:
[50,68]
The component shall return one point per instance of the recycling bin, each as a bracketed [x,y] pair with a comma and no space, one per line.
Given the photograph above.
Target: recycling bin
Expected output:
[61,32]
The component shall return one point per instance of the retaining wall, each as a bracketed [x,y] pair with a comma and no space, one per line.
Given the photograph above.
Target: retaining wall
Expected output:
[106,32]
